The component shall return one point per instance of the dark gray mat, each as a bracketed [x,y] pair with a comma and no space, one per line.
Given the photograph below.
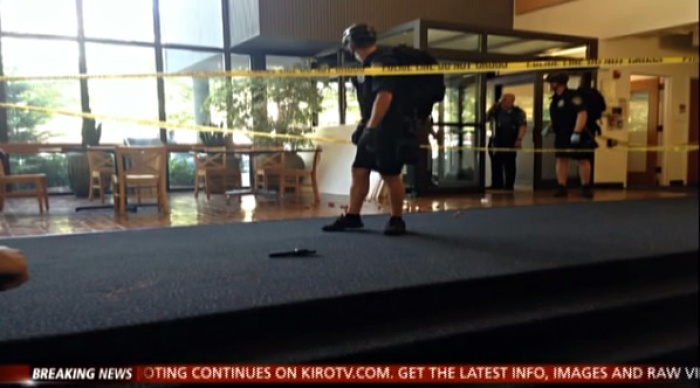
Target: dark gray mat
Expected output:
[98,281]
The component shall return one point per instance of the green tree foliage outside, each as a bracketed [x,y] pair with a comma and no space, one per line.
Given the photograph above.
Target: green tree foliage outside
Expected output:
[23,124]
[178,101]
[296,100]
[181,170]
[55,166]
[23,128]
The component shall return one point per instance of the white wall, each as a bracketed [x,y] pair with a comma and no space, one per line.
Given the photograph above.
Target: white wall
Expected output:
[612,166]
[606,19]
[614,22]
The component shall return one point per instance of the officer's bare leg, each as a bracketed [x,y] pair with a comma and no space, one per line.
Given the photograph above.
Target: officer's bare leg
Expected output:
[358,190]
[584,171]
[397,193]
[562,171]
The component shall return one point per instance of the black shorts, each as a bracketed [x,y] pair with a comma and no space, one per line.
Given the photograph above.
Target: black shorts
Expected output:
[385,160]
[563,141]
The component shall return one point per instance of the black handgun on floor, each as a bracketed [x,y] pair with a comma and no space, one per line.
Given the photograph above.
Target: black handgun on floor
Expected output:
[294,253]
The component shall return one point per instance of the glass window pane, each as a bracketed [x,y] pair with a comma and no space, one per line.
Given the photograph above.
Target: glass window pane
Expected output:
[452,165]
[130,98]
[400,38]
[451,114]
[460,103]
[578,52]
[29,57]
[516,46]
[129,20]
[453,40]
[53,165]
[494,42]
[525,99]
[330,110]
[470,102]
[353,115]
[53,17]
[240,62]
[490,100]
[181,168]
[182,172]
[278,63]
[639,113]
[192,22]
[291,107]
[638,121]
[186,97]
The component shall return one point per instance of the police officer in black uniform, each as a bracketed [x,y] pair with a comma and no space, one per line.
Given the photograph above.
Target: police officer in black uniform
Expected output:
[568,121]
[510,128]
[377,136]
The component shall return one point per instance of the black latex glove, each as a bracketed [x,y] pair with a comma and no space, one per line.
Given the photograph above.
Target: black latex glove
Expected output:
[358,133]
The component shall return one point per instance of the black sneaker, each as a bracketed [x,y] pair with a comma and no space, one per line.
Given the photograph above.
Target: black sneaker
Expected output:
[344,222]
[561,192]
[587,192]
[395,227]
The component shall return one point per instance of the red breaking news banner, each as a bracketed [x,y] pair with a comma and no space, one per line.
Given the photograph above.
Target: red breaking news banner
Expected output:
[14,373]
[354,374]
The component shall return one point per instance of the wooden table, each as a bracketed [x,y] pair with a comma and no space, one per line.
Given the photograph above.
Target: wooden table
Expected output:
[253,190]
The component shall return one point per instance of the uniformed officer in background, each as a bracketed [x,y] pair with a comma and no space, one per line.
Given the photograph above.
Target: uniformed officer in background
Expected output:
[568,122]
[510,126]
[378,135]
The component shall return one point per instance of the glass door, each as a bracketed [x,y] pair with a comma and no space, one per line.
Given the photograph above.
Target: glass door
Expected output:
[525,162]
[642,123]
[452,166]
[528,97]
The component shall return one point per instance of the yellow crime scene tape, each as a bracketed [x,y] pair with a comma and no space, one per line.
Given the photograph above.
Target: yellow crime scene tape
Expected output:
[446,68]
[162,124]
[320,139]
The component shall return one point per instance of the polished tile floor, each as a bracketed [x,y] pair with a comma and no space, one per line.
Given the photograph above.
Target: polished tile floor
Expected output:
[21,216]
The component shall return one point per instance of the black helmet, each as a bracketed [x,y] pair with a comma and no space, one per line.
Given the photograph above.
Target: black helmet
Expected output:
[558,78]
[360,35]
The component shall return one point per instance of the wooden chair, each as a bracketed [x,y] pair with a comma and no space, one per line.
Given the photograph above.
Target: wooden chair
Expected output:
[101,170]
[269,166]
[210,162]
[38,180]
[140,169]
[304,178]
